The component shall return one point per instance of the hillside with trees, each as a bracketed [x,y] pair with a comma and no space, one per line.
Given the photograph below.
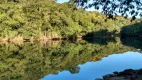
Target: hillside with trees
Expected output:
[46,19]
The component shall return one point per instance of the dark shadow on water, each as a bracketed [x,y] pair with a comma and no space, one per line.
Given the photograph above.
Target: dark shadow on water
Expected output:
[99,40]
[135,42]
[101,37]
[131,35]
[134,30]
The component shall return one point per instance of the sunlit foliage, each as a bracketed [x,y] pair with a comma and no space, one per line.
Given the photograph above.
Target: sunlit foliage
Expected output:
[38,18]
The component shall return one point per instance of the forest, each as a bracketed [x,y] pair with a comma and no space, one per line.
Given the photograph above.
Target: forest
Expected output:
[45,19]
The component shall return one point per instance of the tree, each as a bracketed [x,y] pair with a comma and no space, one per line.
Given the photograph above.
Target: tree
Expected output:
[114,7]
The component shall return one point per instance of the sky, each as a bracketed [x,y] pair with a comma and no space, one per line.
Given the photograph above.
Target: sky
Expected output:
[62,1]
[90,9]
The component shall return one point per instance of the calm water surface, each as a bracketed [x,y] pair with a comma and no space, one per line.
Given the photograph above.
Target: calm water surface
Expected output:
[107,65]
[67,60]
[93,70]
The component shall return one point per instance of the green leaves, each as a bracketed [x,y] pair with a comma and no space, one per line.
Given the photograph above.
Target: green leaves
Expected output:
[39,18]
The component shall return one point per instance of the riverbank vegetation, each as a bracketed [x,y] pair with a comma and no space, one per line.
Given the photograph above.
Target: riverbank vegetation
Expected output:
[45,19]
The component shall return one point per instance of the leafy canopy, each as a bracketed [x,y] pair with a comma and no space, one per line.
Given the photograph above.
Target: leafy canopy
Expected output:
[115,7]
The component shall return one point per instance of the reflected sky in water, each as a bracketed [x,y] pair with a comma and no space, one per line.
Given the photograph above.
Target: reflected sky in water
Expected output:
[93,70]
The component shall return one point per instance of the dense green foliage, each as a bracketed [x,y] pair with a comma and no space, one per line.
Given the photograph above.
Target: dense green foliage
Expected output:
[132,30]
[46,18]
[31,61]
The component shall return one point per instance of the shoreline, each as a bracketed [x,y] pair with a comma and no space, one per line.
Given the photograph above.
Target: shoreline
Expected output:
[21,39]
[17,39]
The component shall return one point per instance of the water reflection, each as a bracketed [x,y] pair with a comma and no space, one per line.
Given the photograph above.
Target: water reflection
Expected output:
[33,61]
[133,42]
[93,70]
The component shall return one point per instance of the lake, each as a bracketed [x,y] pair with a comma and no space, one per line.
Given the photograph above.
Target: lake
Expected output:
[69,60]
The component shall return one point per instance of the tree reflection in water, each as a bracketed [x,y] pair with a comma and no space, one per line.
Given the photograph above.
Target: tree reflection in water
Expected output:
[32,61]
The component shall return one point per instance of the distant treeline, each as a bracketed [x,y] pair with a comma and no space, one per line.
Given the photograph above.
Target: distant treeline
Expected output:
[46,19]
